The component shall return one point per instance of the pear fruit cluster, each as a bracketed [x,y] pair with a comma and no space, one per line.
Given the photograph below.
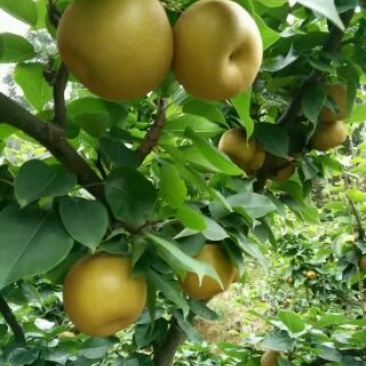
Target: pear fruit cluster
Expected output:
[100,295]
[244,152]
[332,131]
[213,255]
[123,49]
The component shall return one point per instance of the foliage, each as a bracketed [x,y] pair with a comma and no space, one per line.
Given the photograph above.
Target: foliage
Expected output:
[79,174]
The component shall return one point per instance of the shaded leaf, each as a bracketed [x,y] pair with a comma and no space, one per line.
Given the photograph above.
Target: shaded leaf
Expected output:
[85,220]
[32,242]
[36,180]
[130,195]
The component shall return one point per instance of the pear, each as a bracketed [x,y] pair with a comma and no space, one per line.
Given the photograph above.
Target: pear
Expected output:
[218,49]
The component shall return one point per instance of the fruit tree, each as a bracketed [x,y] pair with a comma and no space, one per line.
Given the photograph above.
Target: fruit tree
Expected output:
[147,149]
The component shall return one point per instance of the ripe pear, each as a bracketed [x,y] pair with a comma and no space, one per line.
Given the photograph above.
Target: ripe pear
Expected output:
[285,173]
[329,135]
[100,295]
[213,255]
[218,49]
[270,358]
[362,263]
[338,94]
[119,49]
[247,154]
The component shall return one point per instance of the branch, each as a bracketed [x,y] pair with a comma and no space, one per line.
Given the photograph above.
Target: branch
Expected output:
[164,356]
[53,138]
[332,45]
[53,13]
[10,319]
[153,135]
[59,96]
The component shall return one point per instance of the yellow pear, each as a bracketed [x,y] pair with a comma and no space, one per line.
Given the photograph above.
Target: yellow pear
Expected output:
[119,49]
[338,93]
[329,135]
[247,154]
[100,295]
[213,255]
[270,358]
[283,174]
[362,263]
[218,49]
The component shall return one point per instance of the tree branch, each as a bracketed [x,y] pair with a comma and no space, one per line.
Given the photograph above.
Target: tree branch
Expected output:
[164,356]
[53,13]
[59,96]
[153,135]
[332,45]
[53,138]
[10,319]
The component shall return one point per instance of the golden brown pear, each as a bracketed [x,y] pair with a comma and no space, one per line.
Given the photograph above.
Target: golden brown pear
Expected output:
[311,275]
[218,49]
[100,295]
[362,263]
[270,358]
[329,135]
[248,155]
[285,173]
[119,49]
[213,255]
[338,94]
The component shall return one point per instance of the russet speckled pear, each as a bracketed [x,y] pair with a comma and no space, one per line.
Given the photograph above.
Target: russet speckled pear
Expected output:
[118,49]
[218,49]
[100,295]
[329,135]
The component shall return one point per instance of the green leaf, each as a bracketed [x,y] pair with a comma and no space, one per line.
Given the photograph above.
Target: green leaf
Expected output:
[200,125]
[171,253]
[190,331]
[202,310]
[214,155]
[214,231]
[313,101]
[24,10]
[269,36]
[324,7]
[171,292]
[273,138]
[30,78]
[95,124]
[172,187]
[253,204]
[191,218]
[119,154]
[96,348]
[32,242]
[278,341]
[86,221]
[293,321]
[273,3]
[250,248]
[358,114]
[14,48]
[91,105]
[130,195]
[204,109]
[22,356]
[241,103]
[36,180]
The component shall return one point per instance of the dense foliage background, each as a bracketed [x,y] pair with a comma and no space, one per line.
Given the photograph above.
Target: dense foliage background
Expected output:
[297,243]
